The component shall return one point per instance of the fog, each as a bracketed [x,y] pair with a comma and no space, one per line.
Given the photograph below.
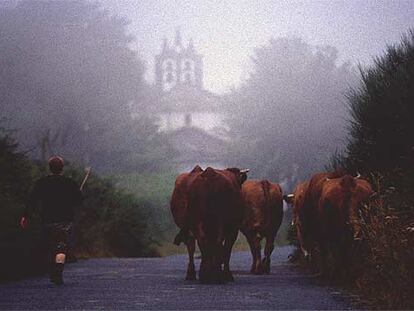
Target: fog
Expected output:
[227,32]
[80,78]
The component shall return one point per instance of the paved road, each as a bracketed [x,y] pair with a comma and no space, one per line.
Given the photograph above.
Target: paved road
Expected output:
[158,283]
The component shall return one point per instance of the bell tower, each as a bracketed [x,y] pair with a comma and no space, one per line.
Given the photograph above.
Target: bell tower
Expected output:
[178,65]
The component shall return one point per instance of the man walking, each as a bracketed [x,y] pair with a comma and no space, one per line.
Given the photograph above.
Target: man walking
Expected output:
[56,196]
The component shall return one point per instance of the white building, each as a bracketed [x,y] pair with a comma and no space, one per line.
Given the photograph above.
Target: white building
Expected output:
[185,110]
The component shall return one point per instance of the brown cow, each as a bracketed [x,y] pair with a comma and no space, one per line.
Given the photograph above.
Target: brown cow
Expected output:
[337,214]
[207,205]
[216,210]
[307,214]
[262,219]
[298,204]
[179,209]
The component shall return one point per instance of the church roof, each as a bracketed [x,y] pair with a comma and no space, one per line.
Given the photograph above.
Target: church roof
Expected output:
[186,98]
[196,145]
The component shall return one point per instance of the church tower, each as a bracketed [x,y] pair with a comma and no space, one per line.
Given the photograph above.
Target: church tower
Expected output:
[178,65]
[191,116]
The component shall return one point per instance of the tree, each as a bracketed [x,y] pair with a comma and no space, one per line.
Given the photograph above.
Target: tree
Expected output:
[289,114]
[382,108]
[68,76]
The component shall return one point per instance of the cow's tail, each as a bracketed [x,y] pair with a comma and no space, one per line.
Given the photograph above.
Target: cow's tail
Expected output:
[348,183]
[267,202]
[183,236]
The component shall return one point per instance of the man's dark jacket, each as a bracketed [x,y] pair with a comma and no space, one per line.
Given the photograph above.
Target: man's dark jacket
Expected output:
[57,196]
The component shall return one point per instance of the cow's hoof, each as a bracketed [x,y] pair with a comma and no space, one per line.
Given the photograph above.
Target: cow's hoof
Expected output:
[265,266]
[191,276]
[210,280]
[205,277]
[256,269]
[216,277]
[258,272]
[266,269]
[228,276]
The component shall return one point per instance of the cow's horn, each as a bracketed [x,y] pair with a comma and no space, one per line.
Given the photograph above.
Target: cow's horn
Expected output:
[245,171]
[358,175]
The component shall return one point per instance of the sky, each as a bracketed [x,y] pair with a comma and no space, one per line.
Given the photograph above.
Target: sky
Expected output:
[227,32]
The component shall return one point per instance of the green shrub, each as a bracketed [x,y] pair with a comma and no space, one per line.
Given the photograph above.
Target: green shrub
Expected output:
[111,222]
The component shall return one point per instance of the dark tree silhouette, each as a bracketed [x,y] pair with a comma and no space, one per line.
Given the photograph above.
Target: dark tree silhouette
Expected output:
[381,135]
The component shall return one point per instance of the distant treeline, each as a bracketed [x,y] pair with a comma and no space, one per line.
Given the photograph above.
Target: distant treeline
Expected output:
[110,222]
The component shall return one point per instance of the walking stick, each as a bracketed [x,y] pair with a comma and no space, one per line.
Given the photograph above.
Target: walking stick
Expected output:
[88,172]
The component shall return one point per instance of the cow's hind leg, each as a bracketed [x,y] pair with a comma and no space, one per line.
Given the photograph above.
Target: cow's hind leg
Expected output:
[228,245]
[191,273]
[270,245]
[251,246]
[325,263]
[254,243]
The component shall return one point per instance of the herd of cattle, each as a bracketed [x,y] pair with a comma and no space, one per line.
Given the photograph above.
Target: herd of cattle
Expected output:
[211,206]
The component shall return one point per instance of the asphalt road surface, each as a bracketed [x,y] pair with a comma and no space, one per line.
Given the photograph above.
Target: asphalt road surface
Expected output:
[158,283]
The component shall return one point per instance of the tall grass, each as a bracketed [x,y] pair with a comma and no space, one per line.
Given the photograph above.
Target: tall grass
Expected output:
[384,267]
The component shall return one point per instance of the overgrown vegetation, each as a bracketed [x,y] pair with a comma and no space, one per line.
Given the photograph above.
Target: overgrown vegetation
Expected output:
[111,222]
[385,266]
[381,145]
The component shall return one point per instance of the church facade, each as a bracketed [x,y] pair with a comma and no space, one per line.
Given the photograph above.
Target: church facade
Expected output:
[191,116]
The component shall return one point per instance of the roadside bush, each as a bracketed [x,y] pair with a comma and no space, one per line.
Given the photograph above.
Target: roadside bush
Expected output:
[111,222]
[384,267]
[155,188]
[16,178]
[381,129]
[381,145]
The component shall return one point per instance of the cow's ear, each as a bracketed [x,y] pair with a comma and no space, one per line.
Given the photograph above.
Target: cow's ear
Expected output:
[209,173]
[240,175]
[197,169]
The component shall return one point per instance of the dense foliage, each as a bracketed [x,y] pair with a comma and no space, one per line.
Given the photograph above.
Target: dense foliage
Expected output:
[16,178]
[110,222]
[384,260]
[381,146]
[382,107]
